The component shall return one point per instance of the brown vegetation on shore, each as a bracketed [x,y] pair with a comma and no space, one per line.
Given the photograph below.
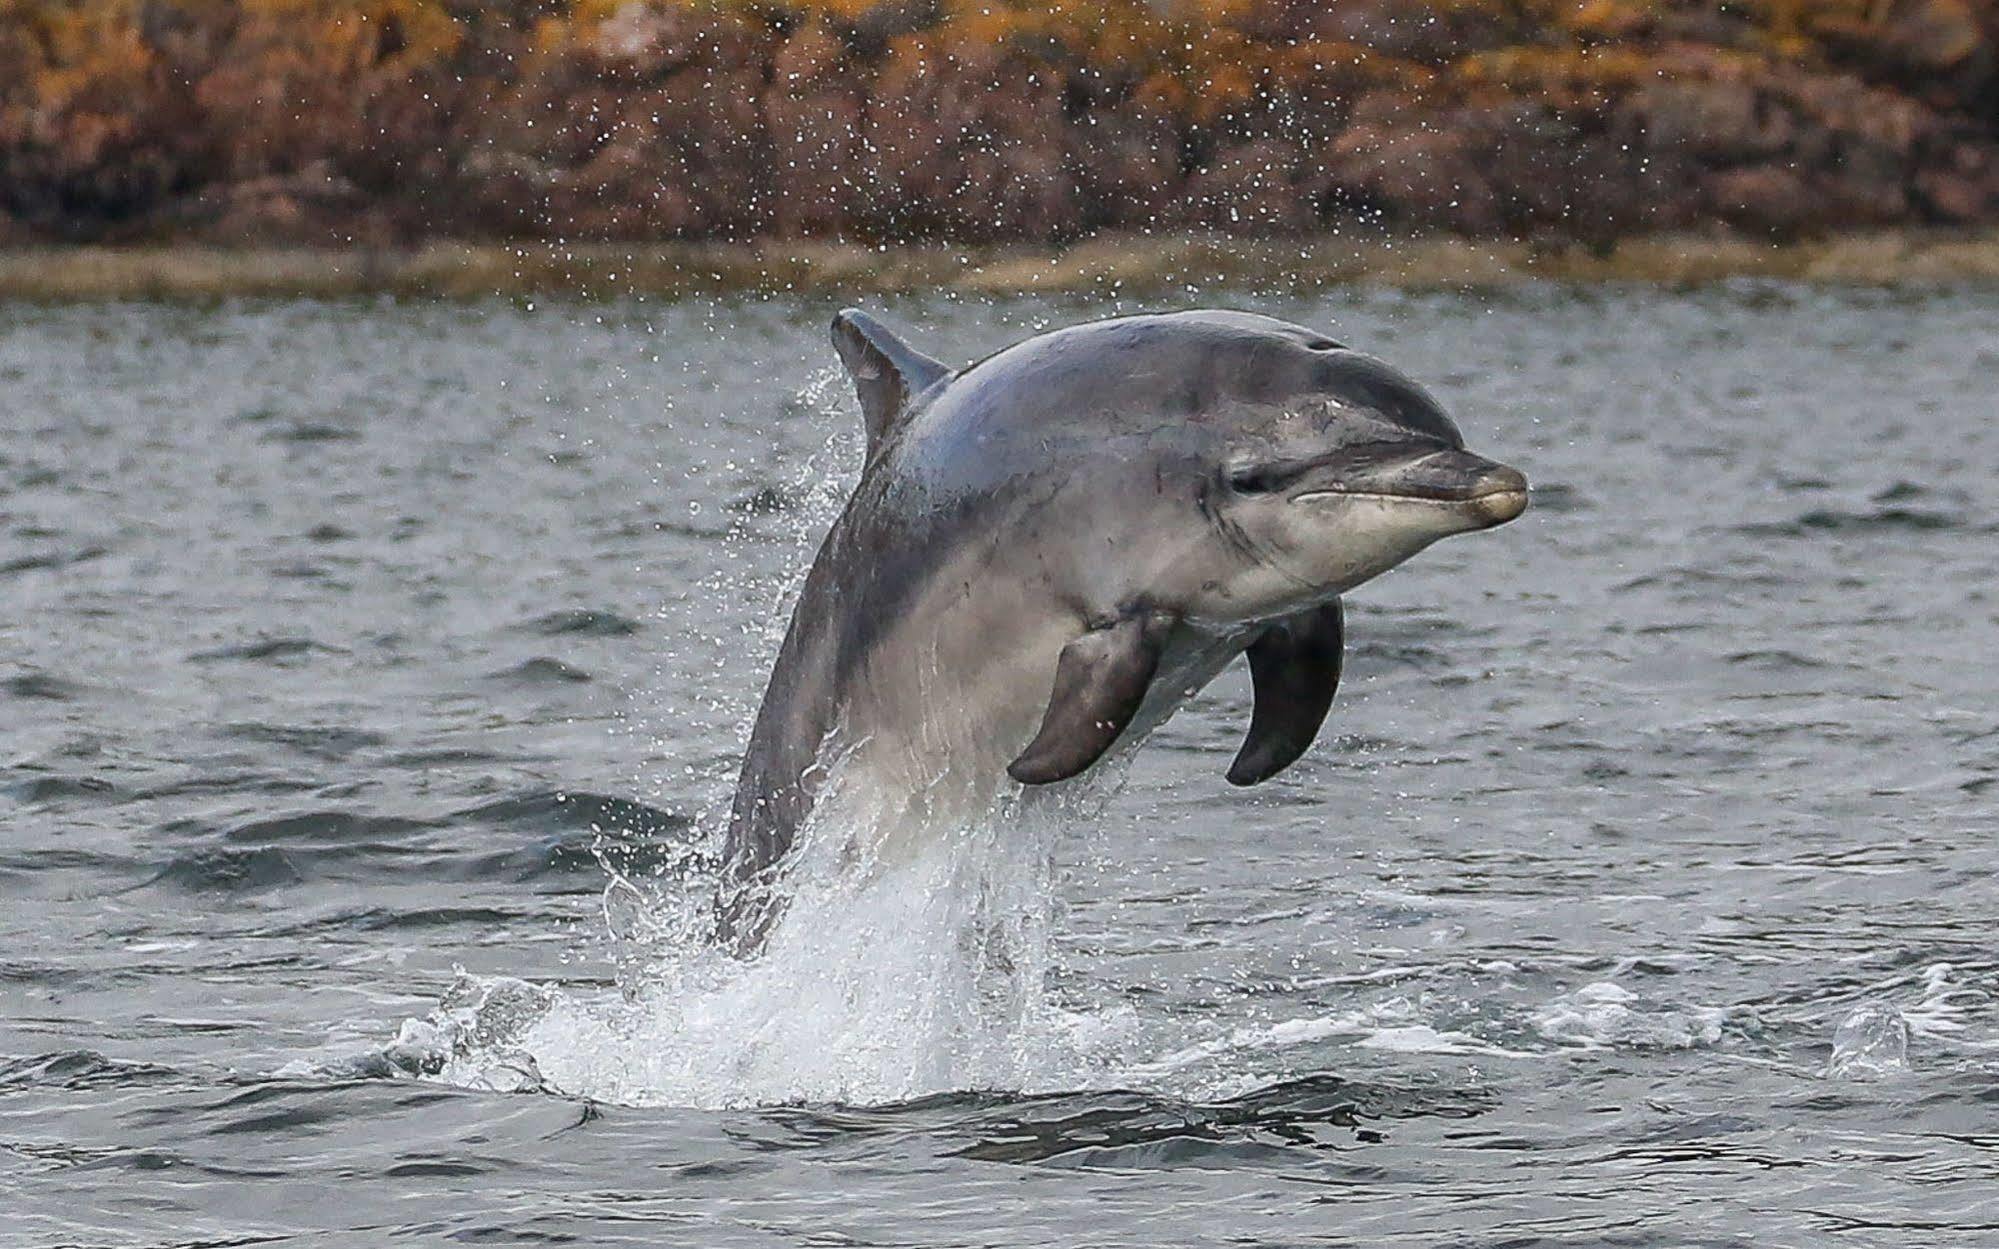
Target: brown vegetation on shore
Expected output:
[380,123]
[1106,266]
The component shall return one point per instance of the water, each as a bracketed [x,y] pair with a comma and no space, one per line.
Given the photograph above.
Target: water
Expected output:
[373,674]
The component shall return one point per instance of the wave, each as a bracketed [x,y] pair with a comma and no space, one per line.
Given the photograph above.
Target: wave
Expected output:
[581,622]
[264,650]
[542,671]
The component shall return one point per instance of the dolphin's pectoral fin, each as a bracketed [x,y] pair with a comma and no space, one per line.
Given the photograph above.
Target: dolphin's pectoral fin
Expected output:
[1295,665]
[1100,681]
[888,372]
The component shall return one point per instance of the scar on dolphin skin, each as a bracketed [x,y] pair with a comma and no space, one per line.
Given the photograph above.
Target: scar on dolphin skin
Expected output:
[1143,499]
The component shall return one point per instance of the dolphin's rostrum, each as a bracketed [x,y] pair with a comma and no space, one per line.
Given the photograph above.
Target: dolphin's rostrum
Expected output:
[1051,549]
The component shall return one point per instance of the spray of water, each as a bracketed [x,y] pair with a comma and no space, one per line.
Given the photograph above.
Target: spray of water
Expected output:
[883,979]
[907,960]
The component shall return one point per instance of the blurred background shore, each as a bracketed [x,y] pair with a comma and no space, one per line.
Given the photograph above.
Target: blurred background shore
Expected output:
[1108,266]
[442,146]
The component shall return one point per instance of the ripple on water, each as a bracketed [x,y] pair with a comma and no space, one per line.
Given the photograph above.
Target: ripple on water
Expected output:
[542,672]
[575,838]
[567,809]
[42,686]
[47,789]
[1141,1130]
[77,1069]
[49,560]
[582,836]
[317,741]
[320,845]
[264,650]
[329,829]
[582,622]
[237,870]
[308,432]
[1822,521]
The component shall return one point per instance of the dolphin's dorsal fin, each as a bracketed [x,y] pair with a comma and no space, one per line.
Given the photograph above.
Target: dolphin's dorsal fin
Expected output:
[888,373]
[1295,667]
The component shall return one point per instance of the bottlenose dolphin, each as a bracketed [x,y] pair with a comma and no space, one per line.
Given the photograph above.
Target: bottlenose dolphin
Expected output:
[1052,549]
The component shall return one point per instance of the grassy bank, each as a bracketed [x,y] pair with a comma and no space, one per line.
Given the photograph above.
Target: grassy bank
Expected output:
[1126,265]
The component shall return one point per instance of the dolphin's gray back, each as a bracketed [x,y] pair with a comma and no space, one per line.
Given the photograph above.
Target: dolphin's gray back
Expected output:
[1010,415]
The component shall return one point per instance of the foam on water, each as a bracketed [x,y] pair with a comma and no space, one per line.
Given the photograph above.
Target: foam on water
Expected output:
[1873,1039]
[1603,1015]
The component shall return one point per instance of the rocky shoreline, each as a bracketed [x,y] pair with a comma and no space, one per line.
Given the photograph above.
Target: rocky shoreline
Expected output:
[390,123]
[1106,267]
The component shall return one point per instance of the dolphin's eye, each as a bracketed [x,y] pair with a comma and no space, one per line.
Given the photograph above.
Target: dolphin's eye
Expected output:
[1258,479]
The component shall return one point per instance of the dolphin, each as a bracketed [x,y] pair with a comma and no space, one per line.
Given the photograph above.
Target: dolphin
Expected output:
[1050,550]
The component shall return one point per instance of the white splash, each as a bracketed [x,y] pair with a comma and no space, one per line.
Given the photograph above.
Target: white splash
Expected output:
[1951,1017]
[881,981]
[907,960]
[1606,1015]
[1870,1043]
[1952,1010]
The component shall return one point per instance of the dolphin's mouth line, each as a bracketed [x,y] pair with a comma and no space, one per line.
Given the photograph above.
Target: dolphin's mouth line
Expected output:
[1388,496]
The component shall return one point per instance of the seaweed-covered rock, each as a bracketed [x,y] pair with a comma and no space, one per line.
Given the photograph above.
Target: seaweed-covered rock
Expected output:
[392,120]
[1726,122]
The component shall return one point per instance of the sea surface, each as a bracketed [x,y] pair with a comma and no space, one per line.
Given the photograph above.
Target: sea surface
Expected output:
[372,675]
